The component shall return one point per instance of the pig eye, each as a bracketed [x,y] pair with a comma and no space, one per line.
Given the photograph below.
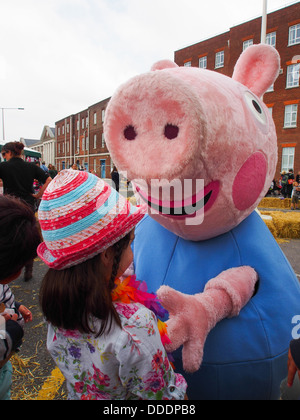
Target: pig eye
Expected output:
[130,133]
[255,108]
[171,131]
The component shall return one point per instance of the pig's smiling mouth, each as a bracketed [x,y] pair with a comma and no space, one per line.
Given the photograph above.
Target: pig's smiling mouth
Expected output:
[187,207]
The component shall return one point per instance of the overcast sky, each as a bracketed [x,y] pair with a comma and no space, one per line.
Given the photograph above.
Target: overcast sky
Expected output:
[58,57]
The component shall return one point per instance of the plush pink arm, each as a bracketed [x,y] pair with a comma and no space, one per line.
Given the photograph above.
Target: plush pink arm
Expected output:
[193,317]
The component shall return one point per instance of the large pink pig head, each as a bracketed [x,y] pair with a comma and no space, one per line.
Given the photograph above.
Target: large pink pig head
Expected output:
[200,147]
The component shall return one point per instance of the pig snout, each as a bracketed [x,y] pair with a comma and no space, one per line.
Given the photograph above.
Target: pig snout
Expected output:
[153,126]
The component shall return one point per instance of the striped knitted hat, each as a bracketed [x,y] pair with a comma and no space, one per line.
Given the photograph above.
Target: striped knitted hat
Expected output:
[80,216]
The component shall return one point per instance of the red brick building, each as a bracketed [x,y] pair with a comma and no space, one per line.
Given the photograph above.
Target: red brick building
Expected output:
[221,52]
[80,140]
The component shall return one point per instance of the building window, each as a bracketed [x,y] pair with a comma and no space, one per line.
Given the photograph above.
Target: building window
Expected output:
[219,59]
[58,131]
[82,123]
[188,64]
[86,143]
[293,75]
[203,62]
[95,141]
[288,156]
[77,125]
[290,116]
[103,114]
[95,118]
[68,128]
[87,121]
[247,44]
[294,34]
[271,39]
[95,165]
[103,141]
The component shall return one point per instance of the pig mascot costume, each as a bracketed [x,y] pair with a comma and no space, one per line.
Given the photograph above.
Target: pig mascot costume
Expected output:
[201,150]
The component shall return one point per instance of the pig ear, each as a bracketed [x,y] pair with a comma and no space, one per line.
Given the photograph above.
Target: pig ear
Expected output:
[257,68]
[163,64]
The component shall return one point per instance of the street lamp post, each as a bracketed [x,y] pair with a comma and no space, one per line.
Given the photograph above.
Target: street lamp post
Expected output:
[264,22]
[3,109]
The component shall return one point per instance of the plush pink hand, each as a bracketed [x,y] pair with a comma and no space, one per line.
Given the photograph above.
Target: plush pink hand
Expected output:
[193,317]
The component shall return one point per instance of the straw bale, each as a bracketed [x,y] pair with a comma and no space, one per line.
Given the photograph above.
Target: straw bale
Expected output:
[276,203]
[284,225]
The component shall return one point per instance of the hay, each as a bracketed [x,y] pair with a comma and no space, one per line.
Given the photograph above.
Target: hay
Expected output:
[51,386]
[275,203]
[27,373]
[283,225]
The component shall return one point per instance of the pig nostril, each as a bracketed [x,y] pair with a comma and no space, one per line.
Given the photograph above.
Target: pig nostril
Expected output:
[130,133]
[171,131]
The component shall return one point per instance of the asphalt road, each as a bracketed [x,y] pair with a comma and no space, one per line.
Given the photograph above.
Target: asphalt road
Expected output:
[33,365]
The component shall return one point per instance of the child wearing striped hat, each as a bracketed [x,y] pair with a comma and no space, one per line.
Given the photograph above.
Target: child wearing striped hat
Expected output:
[101,334]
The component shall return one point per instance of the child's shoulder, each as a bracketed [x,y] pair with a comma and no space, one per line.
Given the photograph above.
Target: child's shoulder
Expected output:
[133,310]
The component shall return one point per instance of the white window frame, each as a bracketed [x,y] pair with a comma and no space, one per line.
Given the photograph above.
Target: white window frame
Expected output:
[219,59]
[294,34]
[271,38]
[103,114]
[95,118]
[290,116]
[103,141]
[95,141]
[288,158]
[203,62]
[247,44]
[187,64]
[292,78]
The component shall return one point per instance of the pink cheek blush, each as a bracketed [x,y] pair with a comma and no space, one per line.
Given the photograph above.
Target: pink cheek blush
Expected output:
[250,181]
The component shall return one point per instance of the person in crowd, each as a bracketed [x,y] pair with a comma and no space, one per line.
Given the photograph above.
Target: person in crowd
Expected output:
[289,185]
[19,238]
[44,167]
[284,182]
[104,340]
[115,176]
[295,196]
[290,387]
[18,177]
[52,171]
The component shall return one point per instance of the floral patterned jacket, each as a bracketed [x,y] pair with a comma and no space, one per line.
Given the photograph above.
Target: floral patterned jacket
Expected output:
[127,364]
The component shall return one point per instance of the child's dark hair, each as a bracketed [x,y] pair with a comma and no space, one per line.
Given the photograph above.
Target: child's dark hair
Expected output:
[69,297]
[19,235]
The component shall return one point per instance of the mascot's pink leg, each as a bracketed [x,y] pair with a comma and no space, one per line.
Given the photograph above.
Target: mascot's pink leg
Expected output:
[193,317]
